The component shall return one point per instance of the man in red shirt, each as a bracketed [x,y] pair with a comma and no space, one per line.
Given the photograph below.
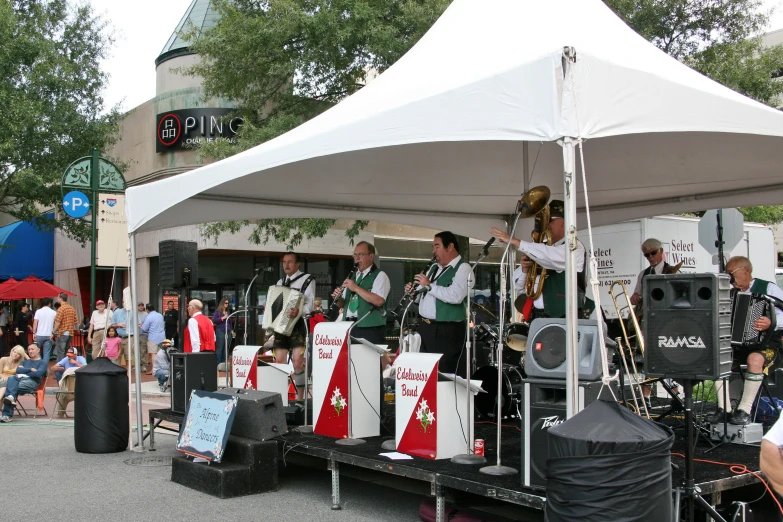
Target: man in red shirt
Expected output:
[200,333]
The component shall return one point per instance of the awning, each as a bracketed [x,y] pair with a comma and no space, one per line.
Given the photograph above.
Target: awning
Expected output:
[25,250]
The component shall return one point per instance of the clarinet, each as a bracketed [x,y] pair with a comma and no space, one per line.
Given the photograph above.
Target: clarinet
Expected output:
[334,310]
[410,295]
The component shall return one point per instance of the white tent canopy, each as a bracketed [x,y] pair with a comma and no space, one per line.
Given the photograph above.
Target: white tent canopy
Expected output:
[444,137]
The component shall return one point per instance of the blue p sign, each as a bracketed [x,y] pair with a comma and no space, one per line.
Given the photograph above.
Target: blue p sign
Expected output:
[76,204]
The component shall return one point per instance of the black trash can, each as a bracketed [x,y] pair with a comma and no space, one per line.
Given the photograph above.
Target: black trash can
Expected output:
[101,422]
[606,463]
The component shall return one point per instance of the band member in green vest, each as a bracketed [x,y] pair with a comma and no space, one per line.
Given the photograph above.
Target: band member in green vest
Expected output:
[553,258]
[443,304]
[367,289]
[740,270]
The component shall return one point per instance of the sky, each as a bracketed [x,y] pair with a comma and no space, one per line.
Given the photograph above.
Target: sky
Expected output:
[142,27]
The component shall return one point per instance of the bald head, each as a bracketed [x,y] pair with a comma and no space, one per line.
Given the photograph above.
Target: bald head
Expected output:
[195,306]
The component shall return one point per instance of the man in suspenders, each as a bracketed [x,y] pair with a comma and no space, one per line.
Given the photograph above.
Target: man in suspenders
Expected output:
[740,270]
[443,304]
[294,345]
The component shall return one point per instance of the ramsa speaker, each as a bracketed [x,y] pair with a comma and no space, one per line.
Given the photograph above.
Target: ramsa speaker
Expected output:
[687,326]
[546,349]
[259,416]
[191,371]
[178,262]
[544,406]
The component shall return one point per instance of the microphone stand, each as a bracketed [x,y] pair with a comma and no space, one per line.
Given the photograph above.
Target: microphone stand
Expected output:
[306,427]
[499,469]
[351,441]
[469,457]
[229,376]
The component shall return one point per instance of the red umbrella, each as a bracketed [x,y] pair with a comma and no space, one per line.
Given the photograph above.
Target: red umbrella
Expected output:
[5,285]
[31,288]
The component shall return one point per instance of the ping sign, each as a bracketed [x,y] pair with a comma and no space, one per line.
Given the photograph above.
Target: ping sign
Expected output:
[76,204]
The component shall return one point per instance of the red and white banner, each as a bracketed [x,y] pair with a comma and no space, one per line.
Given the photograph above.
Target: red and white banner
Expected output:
[244,361]
[416,402]
[331,392]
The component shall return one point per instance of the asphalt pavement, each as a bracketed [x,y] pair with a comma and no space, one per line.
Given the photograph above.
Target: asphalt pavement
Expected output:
[46,479]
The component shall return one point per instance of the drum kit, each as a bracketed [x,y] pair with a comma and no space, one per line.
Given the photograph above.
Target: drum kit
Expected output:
[512,367]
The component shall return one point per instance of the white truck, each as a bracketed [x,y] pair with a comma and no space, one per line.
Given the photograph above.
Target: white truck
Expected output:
[618,250]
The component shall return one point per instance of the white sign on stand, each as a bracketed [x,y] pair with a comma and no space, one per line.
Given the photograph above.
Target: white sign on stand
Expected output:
[341,389]
[428,423]
[251,374]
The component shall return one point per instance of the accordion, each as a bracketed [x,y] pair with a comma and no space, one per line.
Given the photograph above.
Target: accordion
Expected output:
[279,301]
[748,307]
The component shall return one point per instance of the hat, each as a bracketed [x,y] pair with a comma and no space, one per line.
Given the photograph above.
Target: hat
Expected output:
[99,302]
[556,209]
[70,349]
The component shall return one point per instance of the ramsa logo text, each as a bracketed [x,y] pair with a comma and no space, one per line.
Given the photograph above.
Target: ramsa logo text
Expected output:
[554,420]
[680,342]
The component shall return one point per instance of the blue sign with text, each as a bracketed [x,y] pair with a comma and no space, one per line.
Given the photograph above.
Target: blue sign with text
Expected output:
[76,204]
[207,425]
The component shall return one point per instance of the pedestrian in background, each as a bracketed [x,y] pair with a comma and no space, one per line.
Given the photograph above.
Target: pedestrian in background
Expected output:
[3,328]
[154,329]
[223,330]
[65,322]
[43,323]
[22,325]
[98,320]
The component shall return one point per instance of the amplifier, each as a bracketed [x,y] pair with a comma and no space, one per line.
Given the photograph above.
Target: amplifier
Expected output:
[259,416]
[191,371]
[544,406]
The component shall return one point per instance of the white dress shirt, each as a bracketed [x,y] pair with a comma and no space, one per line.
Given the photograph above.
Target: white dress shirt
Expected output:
[309,292]
[381,286]
[520,278]
[553,257]
[452,294]
[195,338]
[658,270]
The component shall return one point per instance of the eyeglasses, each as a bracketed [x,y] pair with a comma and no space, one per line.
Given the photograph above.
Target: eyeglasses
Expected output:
[361,254]
[650,254]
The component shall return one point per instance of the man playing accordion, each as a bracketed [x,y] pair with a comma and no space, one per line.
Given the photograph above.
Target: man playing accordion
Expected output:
[740,270]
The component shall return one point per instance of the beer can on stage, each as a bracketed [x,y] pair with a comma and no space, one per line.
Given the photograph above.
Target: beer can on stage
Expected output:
[478,447]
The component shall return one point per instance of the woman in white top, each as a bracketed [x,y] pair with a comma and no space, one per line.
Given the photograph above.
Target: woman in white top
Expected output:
[97,327]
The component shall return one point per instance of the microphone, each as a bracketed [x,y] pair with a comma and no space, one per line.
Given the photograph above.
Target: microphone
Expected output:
[485,250]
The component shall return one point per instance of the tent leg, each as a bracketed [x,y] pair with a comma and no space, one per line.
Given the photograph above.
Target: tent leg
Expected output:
[136,351]
[569,200]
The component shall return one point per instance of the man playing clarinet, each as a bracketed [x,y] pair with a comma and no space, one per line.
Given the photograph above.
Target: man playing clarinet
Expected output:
[740,270]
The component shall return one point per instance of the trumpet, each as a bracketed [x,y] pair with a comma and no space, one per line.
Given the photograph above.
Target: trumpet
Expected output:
[626,339]
[334,309]
[411,294]
[540,234]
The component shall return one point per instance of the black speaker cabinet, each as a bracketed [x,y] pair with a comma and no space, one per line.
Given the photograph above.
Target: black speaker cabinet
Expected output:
[687,326]
[260,415]
[546,349]
[174,257]
[544,406]
[191,371]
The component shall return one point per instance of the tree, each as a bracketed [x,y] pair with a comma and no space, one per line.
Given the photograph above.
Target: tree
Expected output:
[51,105]
[286,61]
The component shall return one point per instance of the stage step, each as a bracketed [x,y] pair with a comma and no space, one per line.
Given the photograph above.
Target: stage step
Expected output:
[248,467]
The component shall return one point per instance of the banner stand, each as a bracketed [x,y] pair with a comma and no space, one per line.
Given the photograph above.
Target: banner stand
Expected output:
[249,373]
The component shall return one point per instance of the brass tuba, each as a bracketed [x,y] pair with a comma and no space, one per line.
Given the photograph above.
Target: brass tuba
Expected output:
[534,203]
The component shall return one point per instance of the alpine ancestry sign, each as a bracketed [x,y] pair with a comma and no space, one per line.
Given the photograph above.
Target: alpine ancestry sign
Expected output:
[177,130]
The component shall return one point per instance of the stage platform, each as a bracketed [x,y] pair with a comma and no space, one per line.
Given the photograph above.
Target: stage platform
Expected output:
[451,482]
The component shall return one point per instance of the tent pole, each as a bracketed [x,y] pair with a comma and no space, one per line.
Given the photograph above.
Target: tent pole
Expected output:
[569,196]
[136,352]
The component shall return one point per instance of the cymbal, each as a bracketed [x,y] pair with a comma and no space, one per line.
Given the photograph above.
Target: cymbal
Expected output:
[534,200]
[484,310]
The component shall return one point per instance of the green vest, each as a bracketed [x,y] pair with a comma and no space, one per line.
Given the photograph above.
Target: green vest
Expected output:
[447,311]
[759,286]
[554,294]
[375,318]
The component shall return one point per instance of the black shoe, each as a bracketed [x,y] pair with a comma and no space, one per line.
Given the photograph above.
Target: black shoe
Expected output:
[717,417]
[739,417]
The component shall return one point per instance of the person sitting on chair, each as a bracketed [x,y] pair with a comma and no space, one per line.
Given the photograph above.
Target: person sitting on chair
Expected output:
[28,377]
[160,368]
[71,360]
[740,270]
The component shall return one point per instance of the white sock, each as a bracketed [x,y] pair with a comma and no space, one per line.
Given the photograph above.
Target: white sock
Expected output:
[752,385]
[719,393]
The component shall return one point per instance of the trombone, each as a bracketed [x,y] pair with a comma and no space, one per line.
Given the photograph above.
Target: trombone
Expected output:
[626,339]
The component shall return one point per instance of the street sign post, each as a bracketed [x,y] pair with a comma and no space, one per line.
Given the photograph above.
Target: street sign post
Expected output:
[91,174]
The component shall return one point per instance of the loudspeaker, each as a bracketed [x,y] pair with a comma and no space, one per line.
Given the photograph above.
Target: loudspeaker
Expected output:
[546,349]
[259,416]
[544,406]
[191,371]
[687,326]
[174,258]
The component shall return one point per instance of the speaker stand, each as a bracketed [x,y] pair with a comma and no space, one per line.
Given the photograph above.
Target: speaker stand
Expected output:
[350,442]
[389,445]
